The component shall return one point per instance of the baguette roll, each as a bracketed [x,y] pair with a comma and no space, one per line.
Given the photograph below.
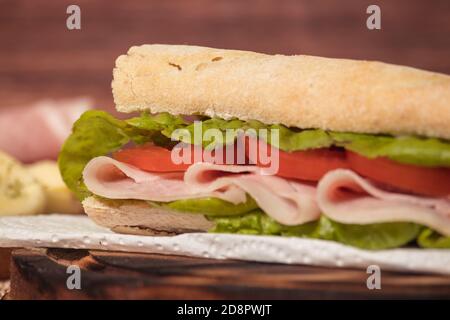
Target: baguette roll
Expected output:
[296,91]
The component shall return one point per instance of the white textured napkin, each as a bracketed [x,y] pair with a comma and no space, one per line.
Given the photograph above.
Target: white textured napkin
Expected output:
[77,232]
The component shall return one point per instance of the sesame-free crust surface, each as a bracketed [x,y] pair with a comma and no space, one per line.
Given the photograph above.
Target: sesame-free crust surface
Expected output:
[298,91]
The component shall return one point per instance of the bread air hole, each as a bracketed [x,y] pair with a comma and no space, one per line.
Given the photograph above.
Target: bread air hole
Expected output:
[175,65]
[203,65]
[200,66]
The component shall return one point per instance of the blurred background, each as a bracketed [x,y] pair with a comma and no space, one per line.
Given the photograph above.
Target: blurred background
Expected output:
[41,58]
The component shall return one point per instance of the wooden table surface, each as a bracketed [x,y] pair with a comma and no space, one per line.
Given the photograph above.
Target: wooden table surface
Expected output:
[41,274]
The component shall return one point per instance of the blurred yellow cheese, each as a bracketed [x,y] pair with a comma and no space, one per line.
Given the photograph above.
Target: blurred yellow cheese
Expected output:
[59,199]
[20,193]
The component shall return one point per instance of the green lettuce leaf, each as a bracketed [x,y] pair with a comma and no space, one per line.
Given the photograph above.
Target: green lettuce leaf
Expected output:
[431,239]
[257,222]
[248,219]
[209,206]
[246,224]
[95,133]
[375,236]
[163,122]
[372,237]
[410,150]
[289,139]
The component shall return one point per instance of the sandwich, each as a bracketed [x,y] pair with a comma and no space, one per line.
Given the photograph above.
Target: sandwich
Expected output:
[226,141]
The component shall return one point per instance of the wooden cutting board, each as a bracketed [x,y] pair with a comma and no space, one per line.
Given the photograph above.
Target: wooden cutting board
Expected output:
[5,255]
[41,274]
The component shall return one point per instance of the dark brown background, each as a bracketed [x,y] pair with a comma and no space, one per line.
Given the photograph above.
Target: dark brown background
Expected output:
[40,58]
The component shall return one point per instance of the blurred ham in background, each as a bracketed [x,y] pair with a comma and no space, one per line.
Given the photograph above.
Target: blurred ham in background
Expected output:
[33,135]
[37,131]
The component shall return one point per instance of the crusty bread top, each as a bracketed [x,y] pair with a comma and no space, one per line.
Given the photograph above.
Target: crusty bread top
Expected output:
[297,91]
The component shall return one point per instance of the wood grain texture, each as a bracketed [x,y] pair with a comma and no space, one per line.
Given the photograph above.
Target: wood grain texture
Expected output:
[41,274]
[40,58]
[5,255]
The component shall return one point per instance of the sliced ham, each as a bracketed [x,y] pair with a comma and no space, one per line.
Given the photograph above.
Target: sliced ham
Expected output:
[286,201]
[345,197]
[113,179]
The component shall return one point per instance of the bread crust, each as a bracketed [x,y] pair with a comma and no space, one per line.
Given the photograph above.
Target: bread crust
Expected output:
[298,91]
[137,217]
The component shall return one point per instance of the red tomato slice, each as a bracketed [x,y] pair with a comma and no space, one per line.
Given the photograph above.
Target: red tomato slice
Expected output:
[308,165]
[311,165]
[149,158]
[433,182]
[157,159]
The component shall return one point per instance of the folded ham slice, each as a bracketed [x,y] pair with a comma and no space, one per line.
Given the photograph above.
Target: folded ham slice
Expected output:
[286,201]
[345,197]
